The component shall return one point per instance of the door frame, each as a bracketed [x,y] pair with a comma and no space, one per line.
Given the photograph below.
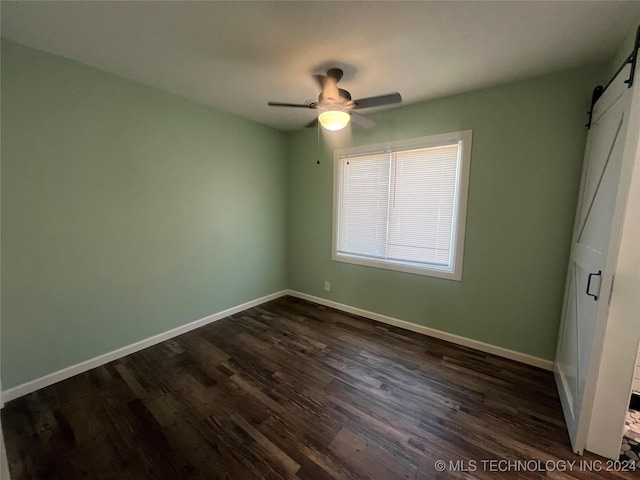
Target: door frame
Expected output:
[619,331]
[599,377]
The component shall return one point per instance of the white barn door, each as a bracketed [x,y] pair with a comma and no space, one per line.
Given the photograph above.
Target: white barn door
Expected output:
[589,276]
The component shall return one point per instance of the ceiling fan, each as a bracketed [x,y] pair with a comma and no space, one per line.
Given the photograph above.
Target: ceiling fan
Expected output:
[336,106]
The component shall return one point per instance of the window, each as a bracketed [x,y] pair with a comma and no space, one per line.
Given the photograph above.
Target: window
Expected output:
[402,205]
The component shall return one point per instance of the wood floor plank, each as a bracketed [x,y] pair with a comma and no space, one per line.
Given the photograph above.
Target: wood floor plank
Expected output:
[294,390]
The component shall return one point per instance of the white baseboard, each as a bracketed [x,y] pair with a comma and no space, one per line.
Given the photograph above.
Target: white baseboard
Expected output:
[82,367]
[431,332]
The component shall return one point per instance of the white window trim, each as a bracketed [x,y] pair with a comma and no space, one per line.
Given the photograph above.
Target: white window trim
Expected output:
[460,208]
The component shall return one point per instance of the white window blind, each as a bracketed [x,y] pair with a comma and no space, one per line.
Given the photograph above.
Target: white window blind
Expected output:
[400,206]
[422,205]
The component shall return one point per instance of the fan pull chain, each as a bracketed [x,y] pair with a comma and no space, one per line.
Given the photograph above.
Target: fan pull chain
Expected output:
[318,145]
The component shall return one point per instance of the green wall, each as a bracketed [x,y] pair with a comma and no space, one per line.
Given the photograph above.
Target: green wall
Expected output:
[528,142]
[126,212]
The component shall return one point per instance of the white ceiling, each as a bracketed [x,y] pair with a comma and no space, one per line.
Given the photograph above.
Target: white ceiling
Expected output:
[238,55]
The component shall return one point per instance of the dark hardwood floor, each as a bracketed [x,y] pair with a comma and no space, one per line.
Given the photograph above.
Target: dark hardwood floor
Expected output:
[292,389]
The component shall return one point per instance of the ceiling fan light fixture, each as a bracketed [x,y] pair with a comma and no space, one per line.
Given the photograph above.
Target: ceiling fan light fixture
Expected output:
[334,119]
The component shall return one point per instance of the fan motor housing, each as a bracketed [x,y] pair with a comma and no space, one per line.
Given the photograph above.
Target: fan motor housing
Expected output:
[344,96]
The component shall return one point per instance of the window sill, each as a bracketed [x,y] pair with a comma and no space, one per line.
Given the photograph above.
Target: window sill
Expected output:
[405,267]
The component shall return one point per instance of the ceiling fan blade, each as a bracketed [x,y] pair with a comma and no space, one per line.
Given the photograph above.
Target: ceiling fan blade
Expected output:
[377,101]
[361,120]
[298,105]
[312,123]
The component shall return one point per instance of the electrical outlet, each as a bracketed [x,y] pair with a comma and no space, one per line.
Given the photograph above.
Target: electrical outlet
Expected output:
[327,287]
